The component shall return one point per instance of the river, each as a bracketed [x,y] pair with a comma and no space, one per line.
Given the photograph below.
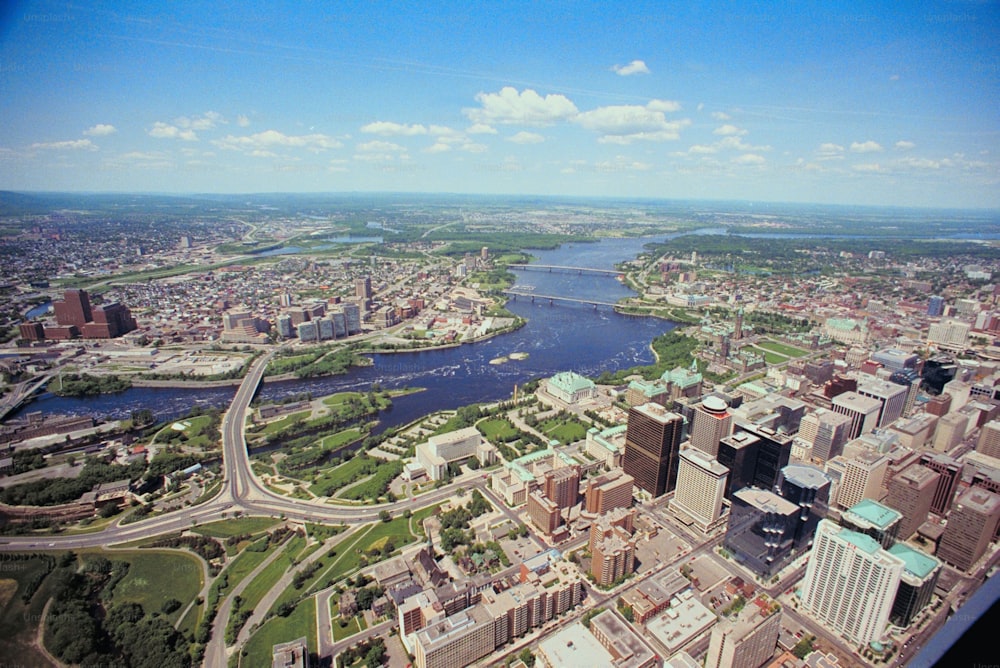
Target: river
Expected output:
[559,337]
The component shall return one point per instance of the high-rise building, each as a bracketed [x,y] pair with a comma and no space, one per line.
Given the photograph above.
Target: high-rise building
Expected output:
[701,486]
[613,558]
[950,431]
[909,379]
[363,287]
[863,411]
[862,478]
[891,397]
[761,530]
[827,431]
[352,315]
[562,486]
[850,583]
[894,359]
[809,489]
[710,424]
[949,472]
[74,309]
[76,316]
[544,513]
[874,520]
[916,586]
[652,448]
[608,491]
[774,449]
[935,306]
[971,525]
[749,640]
[911,492]
[989,439]
[949,334]
[738,453]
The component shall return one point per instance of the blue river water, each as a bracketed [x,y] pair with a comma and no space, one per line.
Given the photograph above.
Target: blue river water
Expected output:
[557,337]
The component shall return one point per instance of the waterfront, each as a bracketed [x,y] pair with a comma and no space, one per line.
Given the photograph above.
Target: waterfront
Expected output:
[557,337]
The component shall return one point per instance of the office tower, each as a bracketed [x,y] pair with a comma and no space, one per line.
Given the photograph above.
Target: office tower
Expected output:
[827,431]
[562,486]
[850,583]
[285,326]
[935,306]
[949,472]
[909,379]
[738,453]
[544,513]
[916,585]
[307,331]
[74,309]
[989,439]
[363,287]
[339,324]
[874,520]
[326,329]
[749,640]
[457,640]
[711,423]
[911,492]
[773,452]
[949,334]
[609,491]
[891,397]
[937,372]
[652,448]
[938,406]
[895,360]
[352,314]
[950,431]
[761,530]
[701,486]
[863,411]
[971,524]
[862,478]
[809,489]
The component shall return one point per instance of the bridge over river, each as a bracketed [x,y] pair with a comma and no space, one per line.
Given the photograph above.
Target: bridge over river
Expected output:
[555,298]
[563,268]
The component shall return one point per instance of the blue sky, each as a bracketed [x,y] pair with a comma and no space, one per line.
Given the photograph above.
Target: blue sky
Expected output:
[815,102]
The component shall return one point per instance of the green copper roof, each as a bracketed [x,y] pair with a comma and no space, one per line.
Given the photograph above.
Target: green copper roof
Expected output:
[916,562]
[875,513]
[571,382]
[860,541]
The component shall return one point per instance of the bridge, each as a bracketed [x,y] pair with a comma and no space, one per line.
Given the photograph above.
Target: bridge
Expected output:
[555,298]
[563,268]
[15,401]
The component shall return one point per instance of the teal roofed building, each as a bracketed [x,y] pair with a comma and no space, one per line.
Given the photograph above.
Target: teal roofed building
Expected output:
[571,388]
[917,584]
[684,382]
[645,391]
[846,330]
[875,520]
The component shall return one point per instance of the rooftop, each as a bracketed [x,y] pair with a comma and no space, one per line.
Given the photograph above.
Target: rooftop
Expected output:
[569,381]
[805,476]
[916,562]
[875,513]
[575,646]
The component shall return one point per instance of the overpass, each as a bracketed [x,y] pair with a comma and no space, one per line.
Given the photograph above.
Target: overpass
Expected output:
[10,405]
[564,268]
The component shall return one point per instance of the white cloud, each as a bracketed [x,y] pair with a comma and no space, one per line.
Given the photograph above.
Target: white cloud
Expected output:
[666,106]
[69,145]
[621,164]
[624,124]
[635,67]
[905,145]
[720,116]
[439,147]
[206,121]
[894,77]
[748,159]
[388,128]
[524,137]
[703,149]
[100,130]
[379,145]
[830,151]
[270,139]
[923,163]
[870,168]
[473,147]
[161,130]
[242,121]
[866,147]
[480,129]
[525,108]
[728,130]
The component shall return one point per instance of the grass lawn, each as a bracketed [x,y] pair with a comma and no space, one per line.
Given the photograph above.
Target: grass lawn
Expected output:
[340,439]
[769,356]
[281,423]
[243,565]
[498,429]
[302,622]
[564,431]
[236,527]
[782,349]
[350,626]
[262,584]
[338,476]
[417,520]
[156,577]
[340,398]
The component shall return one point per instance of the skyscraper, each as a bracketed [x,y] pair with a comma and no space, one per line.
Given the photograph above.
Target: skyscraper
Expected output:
[749,640]
[738,453]
[363,287]
[911,492]
[710,424]
[774,449]
[809,489]
[989,439]
[609,491]
[873,519]
[827,431]
[701,485]
[935,306]
[862,479]
[652,448]
[949,472]
[850,583]
[761,530]
[891,397]
[970,528]
[74,309]
[863,411]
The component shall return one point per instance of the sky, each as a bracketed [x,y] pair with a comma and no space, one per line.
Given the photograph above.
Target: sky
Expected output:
[841,103]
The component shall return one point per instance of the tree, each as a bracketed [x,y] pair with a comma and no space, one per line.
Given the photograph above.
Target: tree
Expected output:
[385,515]
[527,657]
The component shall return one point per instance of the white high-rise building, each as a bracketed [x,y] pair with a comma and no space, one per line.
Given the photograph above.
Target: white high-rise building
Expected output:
[701,485]
[862,479]
[952,334]
[710,424]
[827,431]
[863,411]
[850,583]
[891,396]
